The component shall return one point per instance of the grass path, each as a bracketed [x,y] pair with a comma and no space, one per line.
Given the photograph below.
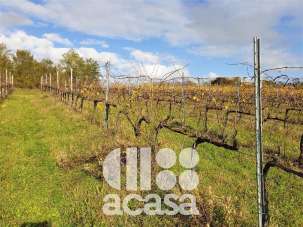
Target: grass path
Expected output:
[32,132]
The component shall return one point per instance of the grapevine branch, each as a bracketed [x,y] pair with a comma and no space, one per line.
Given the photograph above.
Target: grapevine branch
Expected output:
[137,124]
[200,137]
[276,162]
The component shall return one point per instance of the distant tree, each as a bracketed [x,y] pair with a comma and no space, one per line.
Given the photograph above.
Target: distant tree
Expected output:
[82,68]
[24,63]
[91,69]
[225,81]
[72,59]
[5,59]
[28,71]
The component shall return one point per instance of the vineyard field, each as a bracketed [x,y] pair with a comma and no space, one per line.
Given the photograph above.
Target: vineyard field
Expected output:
[52,178]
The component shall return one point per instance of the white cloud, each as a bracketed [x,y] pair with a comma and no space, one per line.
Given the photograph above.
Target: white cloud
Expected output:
[159,70]
[94,42]
[12,19]
[214,50]
[214,28]
[104,44]
[145,57]
[215,21]
[53,37]
[40,47]
[278,57]
[43,47]
[101,57]
[212,75]
[217,28]
[135,20]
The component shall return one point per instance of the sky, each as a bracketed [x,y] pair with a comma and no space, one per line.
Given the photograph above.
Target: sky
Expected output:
[208,37]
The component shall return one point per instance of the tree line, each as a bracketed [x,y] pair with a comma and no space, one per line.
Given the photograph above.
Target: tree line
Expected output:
[27,70]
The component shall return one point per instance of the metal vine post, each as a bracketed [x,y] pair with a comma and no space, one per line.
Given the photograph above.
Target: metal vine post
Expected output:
[259,153]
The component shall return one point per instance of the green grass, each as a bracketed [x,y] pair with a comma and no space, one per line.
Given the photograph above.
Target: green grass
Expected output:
[36,131]
[33,132]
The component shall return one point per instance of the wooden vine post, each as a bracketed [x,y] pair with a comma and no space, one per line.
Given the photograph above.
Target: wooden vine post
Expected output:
[6,90]
[1,85]
[58,81]
[301,151]
[106,111]
[50,82]
[46,82]
[71,79]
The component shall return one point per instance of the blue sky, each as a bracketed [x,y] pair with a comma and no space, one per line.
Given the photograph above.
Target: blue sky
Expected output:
[156,36]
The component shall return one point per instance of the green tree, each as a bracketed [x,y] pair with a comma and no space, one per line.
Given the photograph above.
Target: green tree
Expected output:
[5,59]
[91,69]
[28,71]
[82,68]
[25,75]
[72,60]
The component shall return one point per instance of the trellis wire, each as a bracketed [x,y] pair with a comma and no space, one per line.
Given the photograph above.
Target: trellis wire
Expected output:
[179,92]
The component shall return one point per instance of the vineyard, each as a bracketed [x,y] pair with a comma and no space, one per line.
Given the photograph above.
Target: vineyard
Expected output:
[138,112]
